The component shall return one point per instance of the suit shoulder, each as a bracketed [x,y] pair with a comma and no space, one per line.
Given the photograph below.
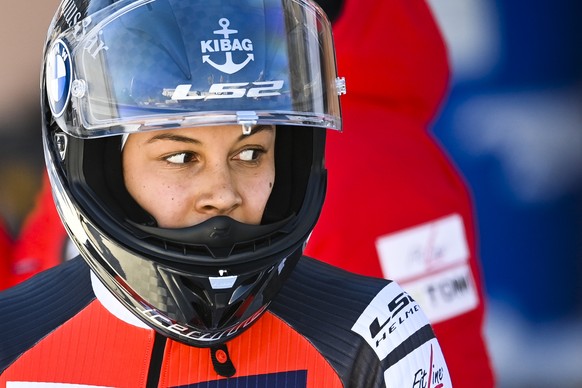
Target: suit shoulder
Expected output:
[36,307]
[364,326]
[328,276]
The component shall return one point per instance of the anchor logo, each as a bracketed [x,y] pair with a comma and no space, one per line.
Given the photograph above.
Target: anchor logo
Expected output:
[227,46]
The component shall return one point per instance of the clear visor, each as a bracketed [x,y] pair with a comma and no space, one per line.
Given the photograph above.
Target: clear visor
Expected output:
[152,64]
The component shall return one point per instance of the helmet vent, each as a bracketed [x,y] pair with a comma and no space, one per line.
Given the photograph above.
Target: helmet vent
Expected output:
[185,249]
[198,300]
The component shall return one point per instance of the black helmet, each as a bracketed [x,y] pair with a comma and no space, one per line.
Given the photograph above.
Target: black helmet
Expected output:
[118,67]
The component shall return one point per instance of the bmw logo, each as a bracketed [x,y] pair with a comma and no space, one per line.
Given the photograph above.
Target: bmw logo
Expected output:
[58,77]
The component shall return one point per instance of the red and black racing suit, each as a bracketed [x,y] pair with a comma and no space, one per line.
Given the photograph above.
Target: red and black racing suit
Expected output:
[326,328]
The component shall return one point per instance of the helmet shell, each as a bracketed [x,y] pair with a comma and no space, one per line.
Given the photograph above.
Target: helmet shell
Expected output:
[113,68]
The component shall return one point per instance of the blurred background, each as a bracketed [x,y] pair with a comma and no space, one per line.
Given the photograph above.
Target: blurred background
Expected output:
[23,26]
[513,126]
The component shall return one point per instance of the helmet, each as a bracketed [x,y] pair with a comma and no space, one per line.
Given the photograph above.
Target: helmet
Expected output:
[113,68]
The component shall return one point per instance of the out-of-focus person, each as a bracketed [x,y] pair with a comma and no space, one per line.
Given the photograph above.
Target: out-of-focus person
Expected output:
[43,241]
[411,219]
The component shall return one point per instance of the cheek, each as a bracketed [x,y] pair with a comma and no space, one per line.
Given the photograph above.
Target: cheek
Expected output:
[157,191]
[171,211]
[267,188]
[259,191]
[170,207]
[163,200]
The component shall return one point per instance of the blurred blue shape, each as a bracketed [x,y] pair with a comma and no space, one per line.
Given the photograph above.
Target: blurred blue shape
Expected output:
[513,126]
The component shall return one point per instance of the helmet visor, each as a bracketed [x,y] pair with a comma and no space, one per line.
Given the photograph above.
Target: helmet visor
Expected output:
[152,64]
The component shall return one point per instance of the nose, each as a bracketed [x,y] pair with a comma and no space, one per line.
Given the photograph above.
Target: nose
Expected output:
[218,194]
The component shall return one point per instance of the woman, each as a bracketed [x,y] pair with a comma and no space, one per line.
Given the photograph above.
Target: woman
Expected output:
[184,142]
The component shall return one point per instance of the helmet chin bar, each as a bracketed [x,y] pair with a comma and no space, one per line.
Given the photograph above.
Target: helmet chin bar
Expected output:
[218,234]
[190,308]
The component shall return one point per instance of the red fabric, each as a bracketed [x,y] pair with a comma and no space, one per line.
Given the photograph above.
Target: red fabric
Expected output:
[386,172]
[74,353]
[269,346]
[5,256]
[71,355]
[42,240]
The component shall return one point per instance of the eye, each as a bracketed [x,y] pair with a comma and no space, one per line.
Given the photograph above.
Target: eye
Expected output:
[249,155]
[180,158]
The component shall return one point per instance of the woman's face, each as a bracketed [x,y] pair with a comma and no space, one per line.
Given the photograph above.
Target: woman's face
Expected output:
[185,176]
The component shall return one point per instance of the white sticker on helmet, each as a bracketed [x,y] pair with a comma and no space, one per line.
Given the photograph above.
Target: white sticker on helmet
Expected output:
[227,46]
[222,282]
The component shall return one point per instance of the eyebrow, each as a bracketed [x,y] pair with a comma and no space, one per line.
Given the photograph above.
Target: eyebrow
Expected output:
[173,137]
[186,139]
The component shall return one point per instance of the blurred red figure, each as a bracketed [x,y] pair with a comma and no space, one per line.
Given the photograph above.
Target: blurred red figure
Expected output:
[412,220]
[42,242]
[5,256]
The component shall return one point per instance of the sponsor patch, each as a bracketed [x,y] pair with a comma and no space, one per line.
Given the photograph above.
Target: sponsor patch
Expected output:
[431,261]
[446,294]
[389,320]
[425,367]
[424,248]
[290,379]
